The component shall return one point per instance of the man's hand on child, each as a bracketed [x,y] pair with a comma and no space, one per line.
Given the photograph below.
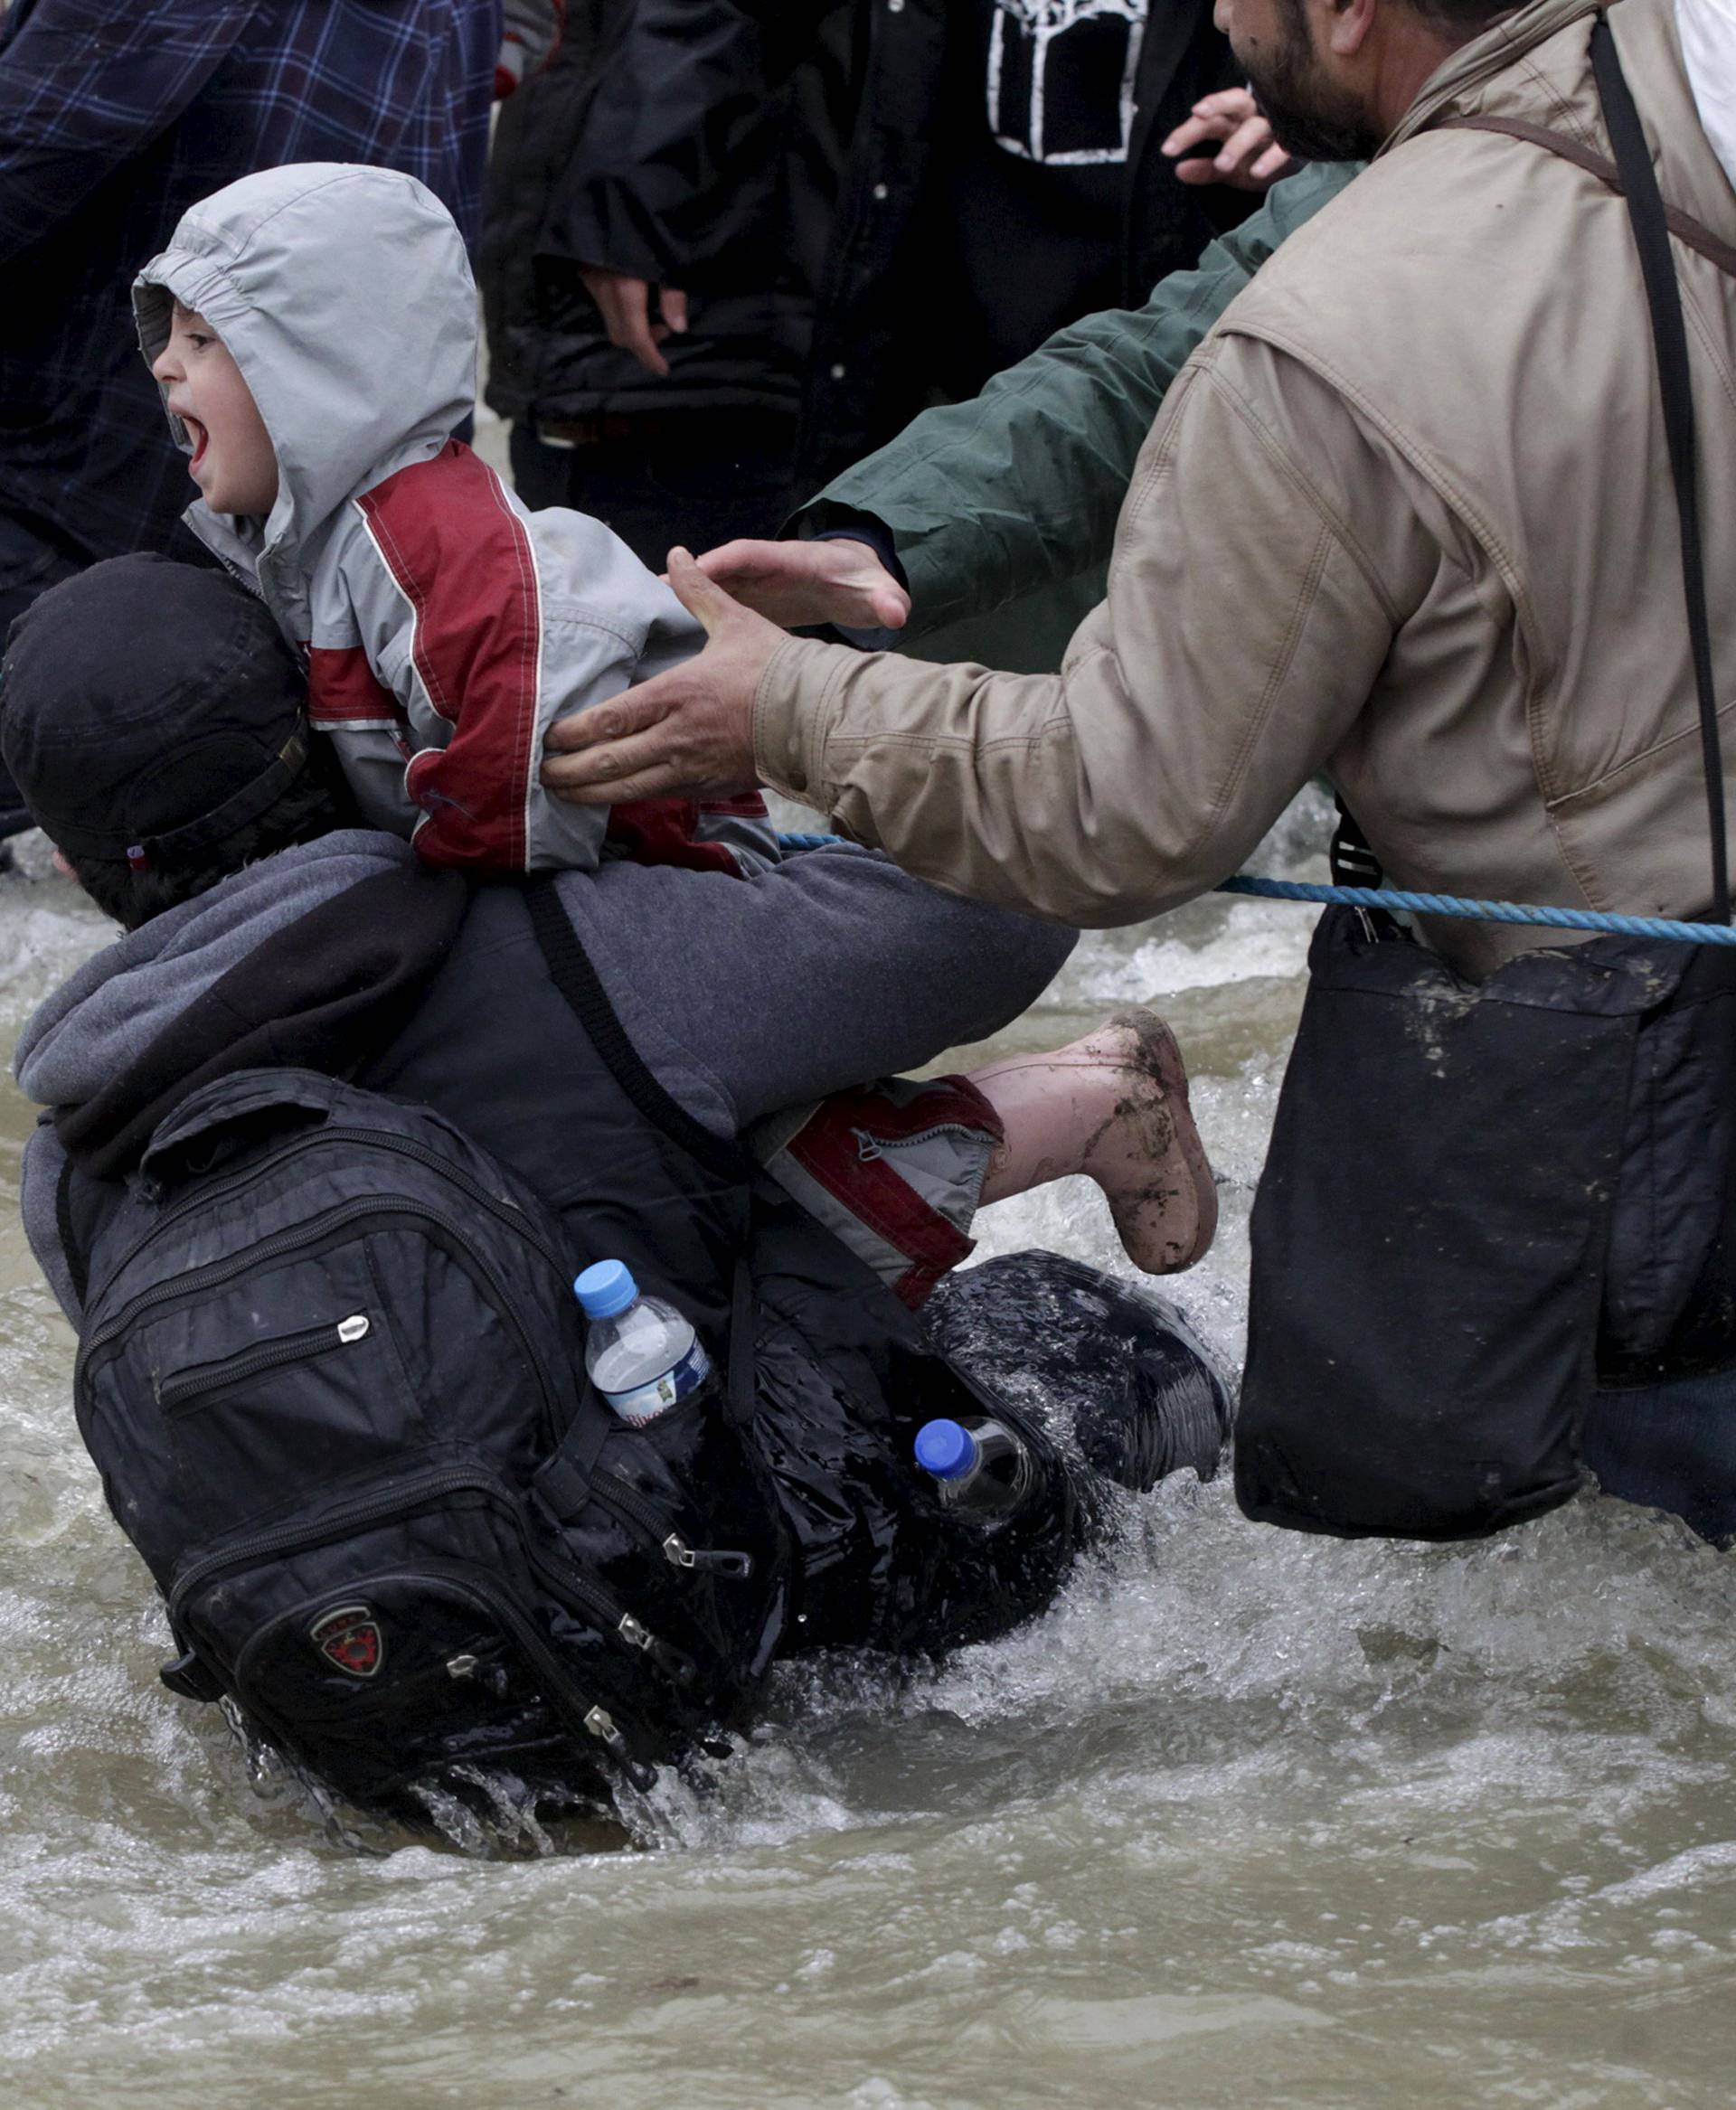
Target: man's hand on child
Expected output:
[832,581]
[689,731]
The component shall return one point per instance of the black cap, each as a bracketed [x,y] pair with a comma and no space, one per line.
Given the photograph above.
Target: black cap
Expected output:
[148,710]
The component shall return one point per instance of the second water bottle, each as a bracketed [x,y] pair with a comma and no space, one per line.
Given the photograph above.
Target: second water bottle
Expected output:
[980,1467]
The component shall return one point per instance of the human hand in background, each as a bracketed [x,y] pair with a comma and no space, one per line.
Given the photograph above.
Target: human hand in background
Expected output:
[689,731]
[1228,140]
[835,581]
[624,304]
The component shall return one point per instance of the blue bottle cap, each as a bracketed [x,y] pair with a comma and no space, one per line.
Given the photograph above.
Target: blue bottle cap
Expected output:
[605,1289]
[945,1449]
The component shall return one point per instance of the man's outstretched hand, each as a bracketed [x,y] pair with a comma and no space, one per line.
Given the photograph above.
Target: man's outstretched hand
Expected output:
[837,580]
[689,731]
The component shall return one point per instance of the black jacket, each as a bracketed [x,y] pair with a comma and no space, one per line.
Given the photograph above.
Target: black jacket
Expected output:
[777,165]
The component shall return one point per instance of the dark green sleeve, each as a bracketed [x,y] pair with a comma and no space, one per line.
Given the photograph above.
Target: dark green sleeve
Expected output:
[989,500]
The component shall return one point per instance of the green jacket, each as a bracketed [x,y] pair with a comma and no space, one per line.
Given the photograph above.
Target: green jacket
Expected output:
[1017,493]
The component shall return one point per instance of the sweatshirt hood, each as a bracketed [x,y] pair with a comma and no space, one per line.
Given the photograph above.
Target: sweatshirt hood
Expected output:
[344,296]
[100,1028]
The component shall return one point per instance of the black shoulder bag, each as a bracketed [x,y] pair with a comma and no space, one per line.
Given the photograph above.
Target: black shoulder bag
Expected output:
[1482,1199]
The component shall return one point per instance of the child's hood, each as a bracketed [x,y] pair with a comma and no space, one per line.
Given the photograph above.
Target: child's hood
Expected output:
[344,296]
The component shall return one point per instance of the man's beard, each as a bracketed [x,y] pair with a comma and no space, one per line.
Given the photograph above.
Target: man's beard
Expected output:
[1309,119]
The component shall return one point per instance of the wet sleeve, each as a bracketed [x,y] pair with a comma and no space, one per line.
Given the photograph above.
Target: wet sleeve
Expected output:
[1267,555]
[989,500]
[85,86]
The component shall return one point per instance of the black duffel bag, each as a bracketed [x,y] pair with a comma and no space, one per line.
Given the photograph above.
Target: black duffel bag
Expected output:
[1478,1200]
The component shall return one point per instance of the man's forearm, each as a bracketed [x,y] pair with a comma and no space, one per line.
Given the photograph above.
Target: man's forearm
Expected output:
[1234,651]
[991,499]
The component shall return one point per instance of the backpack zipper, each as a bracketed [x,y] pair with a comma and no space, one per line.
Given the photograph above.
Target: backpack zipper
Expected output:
[568,1700]
[616,1494]
[214,1273]
[181,1390]
[414,1494]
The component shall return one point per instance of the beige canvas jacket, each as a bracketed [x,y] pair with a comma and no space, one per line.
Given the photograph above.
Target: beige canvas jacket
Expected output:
[1405,516]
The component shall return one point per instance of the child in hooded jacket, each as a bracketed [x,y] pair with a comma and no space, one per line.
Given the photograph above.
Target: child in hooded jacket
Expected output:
[313,330]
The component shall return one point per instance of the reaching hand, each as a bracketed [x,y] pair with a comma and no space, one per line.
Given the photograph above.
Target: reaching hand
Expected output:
[1246,157]
[689,731]
[834,581]
[626,306]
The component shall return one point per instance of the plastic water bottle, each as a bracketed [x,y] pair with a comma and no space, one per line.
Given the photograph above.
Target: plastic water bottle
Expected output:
[980,1467]
[641,1354]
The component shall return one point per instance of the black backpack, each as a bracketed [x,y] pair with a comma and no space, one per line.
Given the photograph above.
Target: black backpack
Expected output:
[330,1371]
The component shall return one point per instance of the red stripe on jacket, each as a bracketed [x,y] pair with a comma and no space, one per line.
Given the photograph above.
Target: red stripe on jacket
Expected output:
[344,691]
[462,560]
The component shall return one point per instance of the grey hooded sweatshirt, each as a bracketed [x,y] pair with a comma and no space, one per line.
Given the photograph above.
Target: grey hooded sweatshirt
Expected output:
[445,626]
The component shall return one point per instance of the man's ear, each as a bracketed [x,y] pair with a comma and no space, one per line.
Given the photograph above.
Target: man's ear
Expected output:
[1352,20]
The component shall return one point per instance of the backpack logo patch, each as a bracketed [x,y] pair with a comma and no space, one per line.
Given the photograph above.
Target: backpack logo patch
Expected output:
[351,1638]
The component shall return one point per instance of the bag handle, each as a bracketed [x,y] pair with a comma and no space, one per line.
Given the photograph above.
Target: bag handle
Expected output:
[235,1112]
[1632,176]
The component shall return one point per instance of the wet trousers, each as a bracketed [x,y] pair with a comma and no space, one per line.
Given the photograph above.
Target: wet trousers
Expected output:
[1670,1446]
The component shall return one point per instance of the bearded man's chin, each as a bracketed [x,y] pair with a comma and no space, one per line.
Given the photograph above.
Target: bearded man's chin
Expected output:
[1314,133]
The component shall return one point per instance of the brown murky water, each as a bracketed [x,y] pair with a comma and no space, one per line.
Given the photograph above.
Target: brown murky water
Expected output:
[1247,1819]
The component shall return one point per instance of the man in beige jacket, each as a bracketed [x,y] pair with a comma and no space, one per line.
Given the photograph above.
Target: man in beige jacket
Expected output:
[1404,517]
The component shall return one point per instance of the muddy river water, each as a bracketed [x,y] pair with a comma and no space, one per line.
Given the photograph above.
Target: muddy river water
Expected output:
[1248,1819]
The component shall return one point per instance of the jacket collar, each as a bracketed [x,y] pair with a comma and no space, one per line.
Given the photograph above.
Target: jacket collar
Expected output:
[1457,83]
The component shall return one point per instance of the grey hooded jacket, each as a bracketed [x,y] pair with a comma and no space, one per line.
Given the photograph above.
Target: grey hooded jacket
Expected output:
[445,626]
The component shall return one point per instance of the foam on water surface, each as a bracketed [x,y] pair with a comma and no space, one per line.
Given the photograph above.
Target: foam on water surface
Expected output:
[1246,1817]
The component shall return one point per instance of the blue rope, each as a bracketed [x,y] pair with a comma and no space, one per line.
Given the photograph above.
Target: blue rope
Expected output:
[1485,911]
[1432,905]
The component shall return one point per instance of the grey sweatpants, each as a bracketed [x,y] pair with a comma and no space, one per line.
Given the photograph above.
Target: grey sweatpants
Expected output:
[779,1008]
[749,997]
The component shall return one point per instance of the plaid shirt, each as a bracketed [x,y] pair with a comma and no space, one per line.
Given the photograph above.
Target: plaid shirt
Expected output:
[115,117]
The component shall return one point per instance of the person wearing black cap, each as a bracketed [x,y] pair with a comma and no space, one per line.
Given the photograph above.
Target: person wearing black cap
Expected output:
[182,725]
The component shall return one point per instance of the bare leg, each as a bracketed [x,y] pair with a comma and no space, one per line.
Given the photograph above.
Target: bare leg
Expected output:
[1113,1107]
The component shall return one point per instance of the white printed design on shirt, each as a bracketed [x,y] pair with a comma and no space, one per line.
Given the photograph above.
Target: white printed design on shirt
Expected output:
[1055,100]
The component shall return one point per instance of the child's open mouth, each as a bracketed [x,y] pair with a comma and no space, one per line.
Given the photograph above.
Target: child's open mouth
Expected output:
[199,437]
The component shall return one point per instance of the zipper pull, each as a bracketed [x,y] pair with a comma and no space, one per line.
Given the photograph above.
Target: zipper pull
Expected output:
[493,1680]
[601,1725]
[354,1328]
[712,1560]
[665,1654]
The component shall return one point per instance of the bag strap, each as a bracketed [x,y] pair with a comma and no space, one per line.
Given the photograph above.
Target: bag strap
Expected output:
[563,1481]
[1685,228]
[77,1261]
[1634,180]
[573,973]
